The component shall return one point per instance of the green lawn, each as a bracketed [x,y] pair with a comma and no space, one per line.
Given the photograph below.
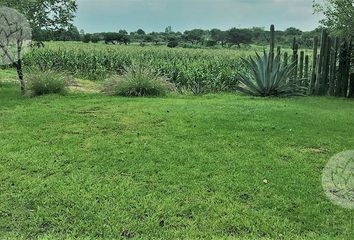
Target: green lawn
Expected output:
[91,166]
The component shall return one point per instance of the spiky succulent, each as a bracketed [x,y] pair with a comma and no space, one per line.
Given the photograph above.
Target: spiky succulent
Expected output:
[268,77]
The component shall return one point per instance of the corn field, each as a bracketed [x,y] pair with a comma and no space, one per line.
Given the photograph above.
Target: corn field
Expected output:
[196,70]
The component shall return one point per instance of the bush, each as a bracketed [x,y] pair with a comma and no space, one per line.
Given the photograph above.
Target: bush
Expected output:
[172,44]
[47,82]
[138,81]
[211,43]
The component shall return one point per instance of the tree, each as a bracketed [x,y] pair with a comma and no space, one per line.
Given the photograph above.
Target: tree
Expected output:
[86,38]
[123,37]
[291,31]
[45,14]
[140,32]
[239,36]
[168,30]
[194,36]
[339,16]
[110,37]
[218,35]
[15,35]
[71,34]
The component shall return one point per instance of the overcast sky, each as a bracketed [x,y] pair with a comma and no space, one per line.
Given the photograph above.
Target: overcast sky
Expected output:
[155,15]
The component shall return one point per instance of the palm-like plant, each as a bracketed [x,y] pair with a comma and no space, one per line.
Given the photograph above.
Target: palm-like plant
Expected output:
[269,77]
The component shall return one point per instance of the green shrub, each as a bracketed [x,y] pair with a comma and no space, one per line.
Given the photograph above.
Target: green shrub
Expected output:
[172,44]
[47,82]
[138,81]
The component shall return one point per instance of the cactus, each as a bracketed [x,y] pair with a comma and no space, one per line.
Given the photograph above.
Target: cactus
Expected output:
[351,78]
[272,40]
[314,66]
[285,58]
[351,86]
[272,44]
[321,62]
[325,68]
[301,64]
[295,58]
[332,69]
[306,71]
[343,70]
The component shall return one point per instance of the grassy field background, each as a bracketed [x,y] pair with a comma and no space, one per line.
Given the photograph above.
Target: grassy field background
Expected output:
[225,166]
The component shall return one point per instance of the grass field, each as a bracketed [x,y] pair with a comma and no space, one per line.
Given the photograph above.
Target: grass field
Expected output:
[223,166]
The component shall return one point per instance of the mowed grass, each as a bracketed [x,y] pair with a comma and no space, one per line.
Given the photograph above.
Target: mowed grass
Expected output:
[87,166]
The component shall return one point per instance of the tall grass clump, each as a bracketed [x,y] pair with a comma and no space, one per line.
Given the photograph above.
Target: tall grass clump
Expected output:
[47,82]
[138,81]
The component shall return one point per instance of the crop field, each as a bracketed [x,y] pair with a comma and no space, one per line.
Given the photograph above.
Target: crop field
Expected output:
[197,70]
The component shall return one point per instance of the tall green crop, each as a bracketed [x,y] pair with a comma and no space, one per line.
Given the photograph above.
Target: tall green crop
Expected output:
[197,70]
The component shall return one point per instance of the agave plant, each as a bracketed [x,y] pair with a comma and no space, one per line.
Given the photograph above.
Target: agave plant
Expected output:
[269,77]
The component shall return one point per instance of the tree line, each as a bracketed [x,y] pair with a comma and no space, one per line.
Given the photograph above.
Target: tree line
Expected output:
[190,38]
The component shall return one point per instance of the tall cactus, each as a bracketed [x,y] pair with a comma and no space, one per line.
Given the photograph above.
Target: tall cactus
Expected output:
[321,64]
[325,69]
[351,86]
[351,78]
[286,58]
[272,43]
[301,64]
[314,66]
[343,70]
[306,71]
[333,67]
[295,58]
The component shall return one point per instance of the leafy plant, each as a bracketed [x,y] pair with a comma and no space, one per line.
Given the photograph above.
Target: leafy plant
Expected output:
[47,82]
[137,81]
[269,77]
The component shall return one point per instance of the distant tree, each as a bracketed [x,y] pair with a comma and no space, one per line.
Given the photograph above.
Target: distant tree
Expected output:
[259,35]
[292,31]
[239,36]
[86,38]
[71,34]
[194,36]
[122,31]
[210,43]
[172,43]
[140,32]
[95,38]
[339,15]
[110,37]
[218,36]
[168,30]
[123,37]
